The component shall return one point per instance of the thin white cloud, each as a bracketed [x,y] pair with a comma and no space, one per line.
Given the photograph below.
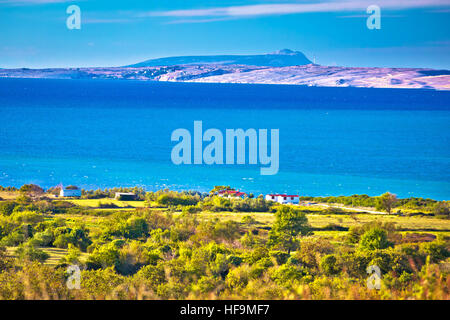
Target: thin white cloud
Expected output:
[196,20]
[31,2]
[364,16]
[295,8]
[106,20]
[440,11]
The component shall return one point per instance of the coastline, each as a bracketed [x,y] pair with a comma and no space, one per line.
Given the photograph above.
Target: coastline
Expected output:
[303,75]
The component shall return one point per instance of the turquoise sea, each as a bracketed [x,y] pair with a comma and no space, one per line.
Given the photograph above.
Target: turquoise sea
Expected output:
[333,141]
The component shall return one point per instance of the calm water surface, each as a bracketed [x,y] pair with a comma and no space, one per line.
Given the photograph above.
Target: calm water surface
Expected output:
[333,141]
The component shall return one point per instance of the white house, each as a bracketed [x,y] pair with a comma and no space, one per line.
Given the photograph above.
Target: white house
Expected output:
[70,191]
[125,196]
[283,198]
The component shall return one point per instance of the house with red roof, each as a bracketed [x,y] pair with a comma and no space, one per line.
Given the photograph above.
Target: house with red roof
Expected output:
[283,198]
[232,194]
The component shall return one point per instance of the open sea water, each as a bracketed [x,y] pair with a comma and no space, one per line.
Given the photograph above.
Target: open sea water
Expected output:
[333,141]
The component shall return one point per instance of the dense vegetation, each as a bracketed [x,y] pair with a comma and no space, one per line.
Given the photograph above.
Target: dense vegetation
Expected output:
[179,245]
[420,204]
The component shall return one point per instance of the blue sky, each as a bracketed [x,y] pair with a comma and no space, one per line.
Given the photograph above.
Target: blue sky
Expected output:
[414,33]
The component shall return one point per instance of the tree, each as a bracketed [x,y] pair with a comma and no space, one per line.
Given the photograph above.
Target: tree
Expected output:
[329,265]
[442,209]
[73,255]
[134,228]
[289,222]
[373,239]
[103,257]
[437,250]
[30,253]
[310,251]
[154,274]
[286,274]
[6,262]
[77,236]
[219,188]
[31,190]
[248,219]
[386,202]
[54,190]
[7,207]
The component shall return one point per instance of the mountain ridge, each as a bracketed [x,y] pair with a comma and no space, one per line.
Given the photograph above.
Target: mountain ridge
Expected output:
[280,58]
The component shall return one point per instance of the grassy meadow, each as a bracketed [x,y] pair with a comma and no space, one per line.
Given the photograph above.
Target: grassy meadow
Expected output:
[186,245]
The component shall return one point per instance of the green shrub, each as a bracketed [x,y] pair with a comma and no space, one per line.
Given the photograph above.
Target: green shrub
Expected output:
[442,209]
[238,277]
[134,228]
[437,250]
[174,199]
[107,205]
[373,239]
[7,207]
[44,238]
[76,236]
[27,217]
[280,256]
[190,209]
[101,284]
[287,274]
[329,265]
[30,253]
[103,257]
[154,274]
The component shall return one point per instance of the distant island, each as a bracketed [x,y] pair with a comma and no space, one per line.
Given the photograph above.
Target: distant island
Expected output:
[281,58]
[281,67]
